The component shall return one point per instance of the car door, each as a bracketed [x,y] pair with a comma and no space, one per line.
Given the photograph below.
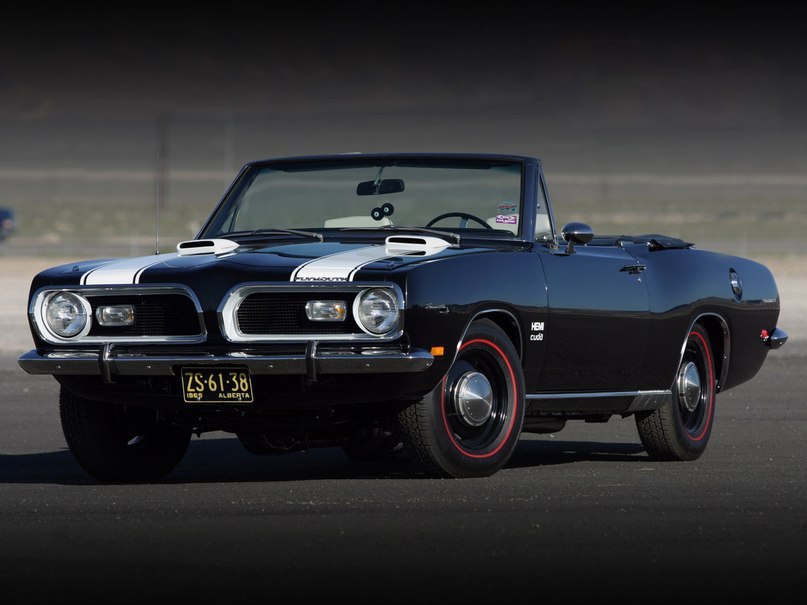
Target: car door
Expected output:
[597,324]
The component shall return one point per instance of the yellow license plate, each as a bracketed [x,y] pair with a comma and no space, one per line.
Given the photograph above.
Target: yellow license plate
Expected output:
[216,385]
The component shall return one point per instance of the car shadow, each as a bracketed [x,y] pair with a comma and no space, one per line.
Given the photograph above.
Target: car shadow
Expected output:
[219,460]
[544,452]
[48,467]
[224,460]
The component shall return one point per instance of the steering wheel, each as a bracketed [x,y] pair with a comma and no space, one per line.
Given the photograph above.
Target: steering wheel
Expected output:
[464,216]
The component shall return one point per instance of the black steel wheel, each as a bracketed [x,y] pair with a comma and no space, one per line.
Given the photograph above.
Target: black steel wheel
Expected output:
[117,443]
[469,425]
[680,429]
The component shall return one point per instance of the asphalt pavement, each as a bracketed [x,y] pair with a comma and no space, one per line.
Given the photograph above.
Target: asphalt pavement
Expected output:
[581,514]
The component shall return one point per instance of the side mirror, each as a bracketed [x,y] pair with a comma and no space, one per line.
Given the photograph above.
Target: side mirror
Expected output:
[576,233]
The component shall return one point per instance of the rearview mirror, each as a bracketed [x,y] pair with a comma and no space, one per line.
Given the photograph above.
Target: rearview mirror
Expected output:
[380,187]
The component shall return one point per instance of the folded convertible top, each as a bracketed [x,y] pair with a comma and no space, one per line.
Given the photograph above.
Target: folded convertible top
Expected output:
[653,241]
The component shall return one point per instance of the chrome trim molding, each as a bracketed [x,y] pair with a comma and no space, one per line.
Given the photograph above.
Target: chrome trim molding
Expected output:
[40,303]
[228,309]
[592,395]
[109,363]
[649,400]
[642,400]
[41,296]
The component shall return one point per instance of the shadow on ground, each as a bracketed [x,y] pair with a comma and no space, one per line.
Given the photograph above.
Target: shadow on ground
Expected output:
[224,460]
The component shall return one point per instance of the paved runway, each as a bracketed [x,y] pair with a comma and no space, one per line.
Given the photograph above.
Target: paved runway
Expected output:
[579,514]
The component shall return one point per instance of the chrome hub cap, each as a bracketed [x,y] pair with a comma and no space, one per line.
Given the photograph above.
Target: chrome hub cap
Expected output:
[473,398]
[689,386]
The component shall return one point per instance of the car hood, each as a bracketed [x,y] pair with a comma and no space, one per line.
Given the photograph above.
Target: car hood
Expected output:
[204,264]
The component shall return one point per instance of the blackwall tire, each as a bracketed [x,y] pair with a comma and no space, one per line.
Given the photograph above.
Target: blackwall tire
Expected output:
[451,432]
[120,444]
[680,429]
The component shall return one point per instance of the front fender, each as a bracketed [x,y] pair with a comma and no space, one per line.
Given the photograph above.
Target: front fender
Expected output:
[443,298]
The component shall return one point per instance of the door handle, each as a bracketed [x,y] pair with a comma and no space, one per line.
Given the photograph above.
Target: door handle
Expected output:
[633,269]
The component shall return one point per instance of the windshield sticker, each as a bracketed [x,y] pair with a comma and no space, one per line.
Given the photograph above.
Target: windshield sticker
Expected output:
[507,208]
[505,219]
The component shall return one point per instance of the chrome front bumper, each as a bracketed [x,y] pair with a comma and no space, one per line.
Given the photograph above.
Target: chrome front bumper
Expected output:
[109,363]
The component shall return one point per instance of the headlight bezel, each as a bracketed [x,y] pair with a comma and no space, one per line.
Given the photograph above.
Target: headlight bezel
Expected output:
[230,305]
[47,331]
[386,294]
[367,331]
[91,336]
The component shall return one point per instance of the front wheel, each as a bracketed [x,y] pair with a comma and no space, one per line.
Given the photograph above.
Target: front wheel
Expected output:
[120,443]
[680,429]
[470,423]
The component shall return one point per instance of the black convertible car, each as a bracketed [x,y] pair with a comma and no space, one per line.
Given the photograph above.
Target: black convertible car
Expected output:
[425,303]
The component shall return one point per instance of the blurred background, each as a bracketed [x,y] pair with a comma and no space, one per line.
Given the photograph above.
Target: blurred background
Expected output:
[689,121]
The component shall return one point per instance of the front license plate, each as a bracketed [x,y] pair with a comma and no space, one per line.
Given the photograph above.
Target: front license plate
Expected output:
[216,385]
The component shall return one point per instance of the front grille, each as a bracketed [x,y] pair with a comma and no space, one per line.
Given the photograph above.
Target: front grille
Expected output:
[156,315]
[283,313]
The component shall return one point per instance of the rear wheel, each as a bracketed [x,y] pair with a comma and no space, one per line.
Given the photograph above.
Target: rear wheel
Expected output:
[120,443]
[680,429]
[469,425]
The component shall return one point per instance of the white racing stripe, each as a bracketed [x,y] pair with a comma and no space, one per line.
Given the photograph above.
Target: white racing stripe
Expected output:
[343,266]
[338,267]
[122,272]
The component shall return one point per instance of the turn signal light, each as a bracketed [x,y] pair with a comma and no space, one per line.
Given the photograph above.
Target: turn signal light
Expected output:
[326,310]
[115,316]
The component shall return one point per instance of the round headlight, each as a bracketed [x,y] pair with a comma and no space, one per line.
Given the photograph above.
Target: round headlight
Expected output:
[66,314]
[377,310]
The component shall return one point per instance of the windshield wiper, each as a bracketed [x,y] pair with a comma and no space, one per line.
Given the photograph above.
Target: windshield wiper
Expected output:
[255,232]
[397,228]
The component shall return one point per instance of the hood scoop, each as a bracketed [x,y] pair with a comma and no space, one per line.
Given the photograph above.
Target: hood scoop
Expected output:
[206,246]
[415,244]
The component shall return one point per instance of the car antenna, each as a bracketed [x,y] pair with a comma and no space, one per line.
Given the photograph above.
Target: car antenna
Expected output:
[159,168]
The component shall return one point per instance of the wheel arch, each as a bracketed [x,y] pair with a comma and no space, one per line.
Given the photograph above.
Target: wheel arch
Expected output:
[470,423]
[717,329]
[506,320]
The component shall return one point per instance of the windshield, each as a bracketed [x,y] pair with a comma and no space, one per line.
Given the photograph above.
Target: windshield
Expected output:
[479,198]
